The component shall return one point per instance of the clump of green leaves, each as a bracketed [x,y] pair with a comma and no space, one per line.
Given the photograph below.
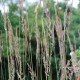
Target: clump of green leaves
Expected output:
[78,53]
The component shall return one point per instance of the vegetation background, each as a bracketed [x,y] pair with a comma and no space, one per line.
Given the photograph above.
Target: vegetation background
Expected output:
[36,41]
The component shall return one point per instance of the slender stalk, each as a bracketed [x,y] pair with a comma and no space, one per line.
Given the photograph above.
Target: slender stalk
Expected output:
[17,55]
[10,58]
[38,42]
[74,43]
[46,56]
[61,46]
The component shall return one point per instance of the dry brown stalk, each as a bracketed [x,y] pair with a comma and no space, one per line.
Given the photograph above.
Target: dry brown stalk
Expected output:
[10,58]
[75,63]
[73,55]
[25,35]
[21,7]
[24,25]
[24,30]
[48,33]
[64,24]
[65,18]
[46,44]
[17,55]
[11,67]
[67,30]
[25,42]
[33,74]
[53,46]
[45,63]
[16,49]
[10,35]
[25,39]
[74,43]
[46,56]
[61,46]
[52,35]
[69,70]
[38,41]
[37,35]
[70,44]
[74,58]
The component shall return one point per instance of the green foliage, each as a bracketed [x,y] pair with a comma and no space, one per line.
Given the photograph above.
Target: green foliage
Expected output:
[13,7]
[1,22]
[78,53]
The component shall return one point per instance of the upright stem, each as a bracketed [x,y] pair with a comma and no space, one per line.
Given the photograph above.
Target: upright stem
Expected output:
[38,42]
